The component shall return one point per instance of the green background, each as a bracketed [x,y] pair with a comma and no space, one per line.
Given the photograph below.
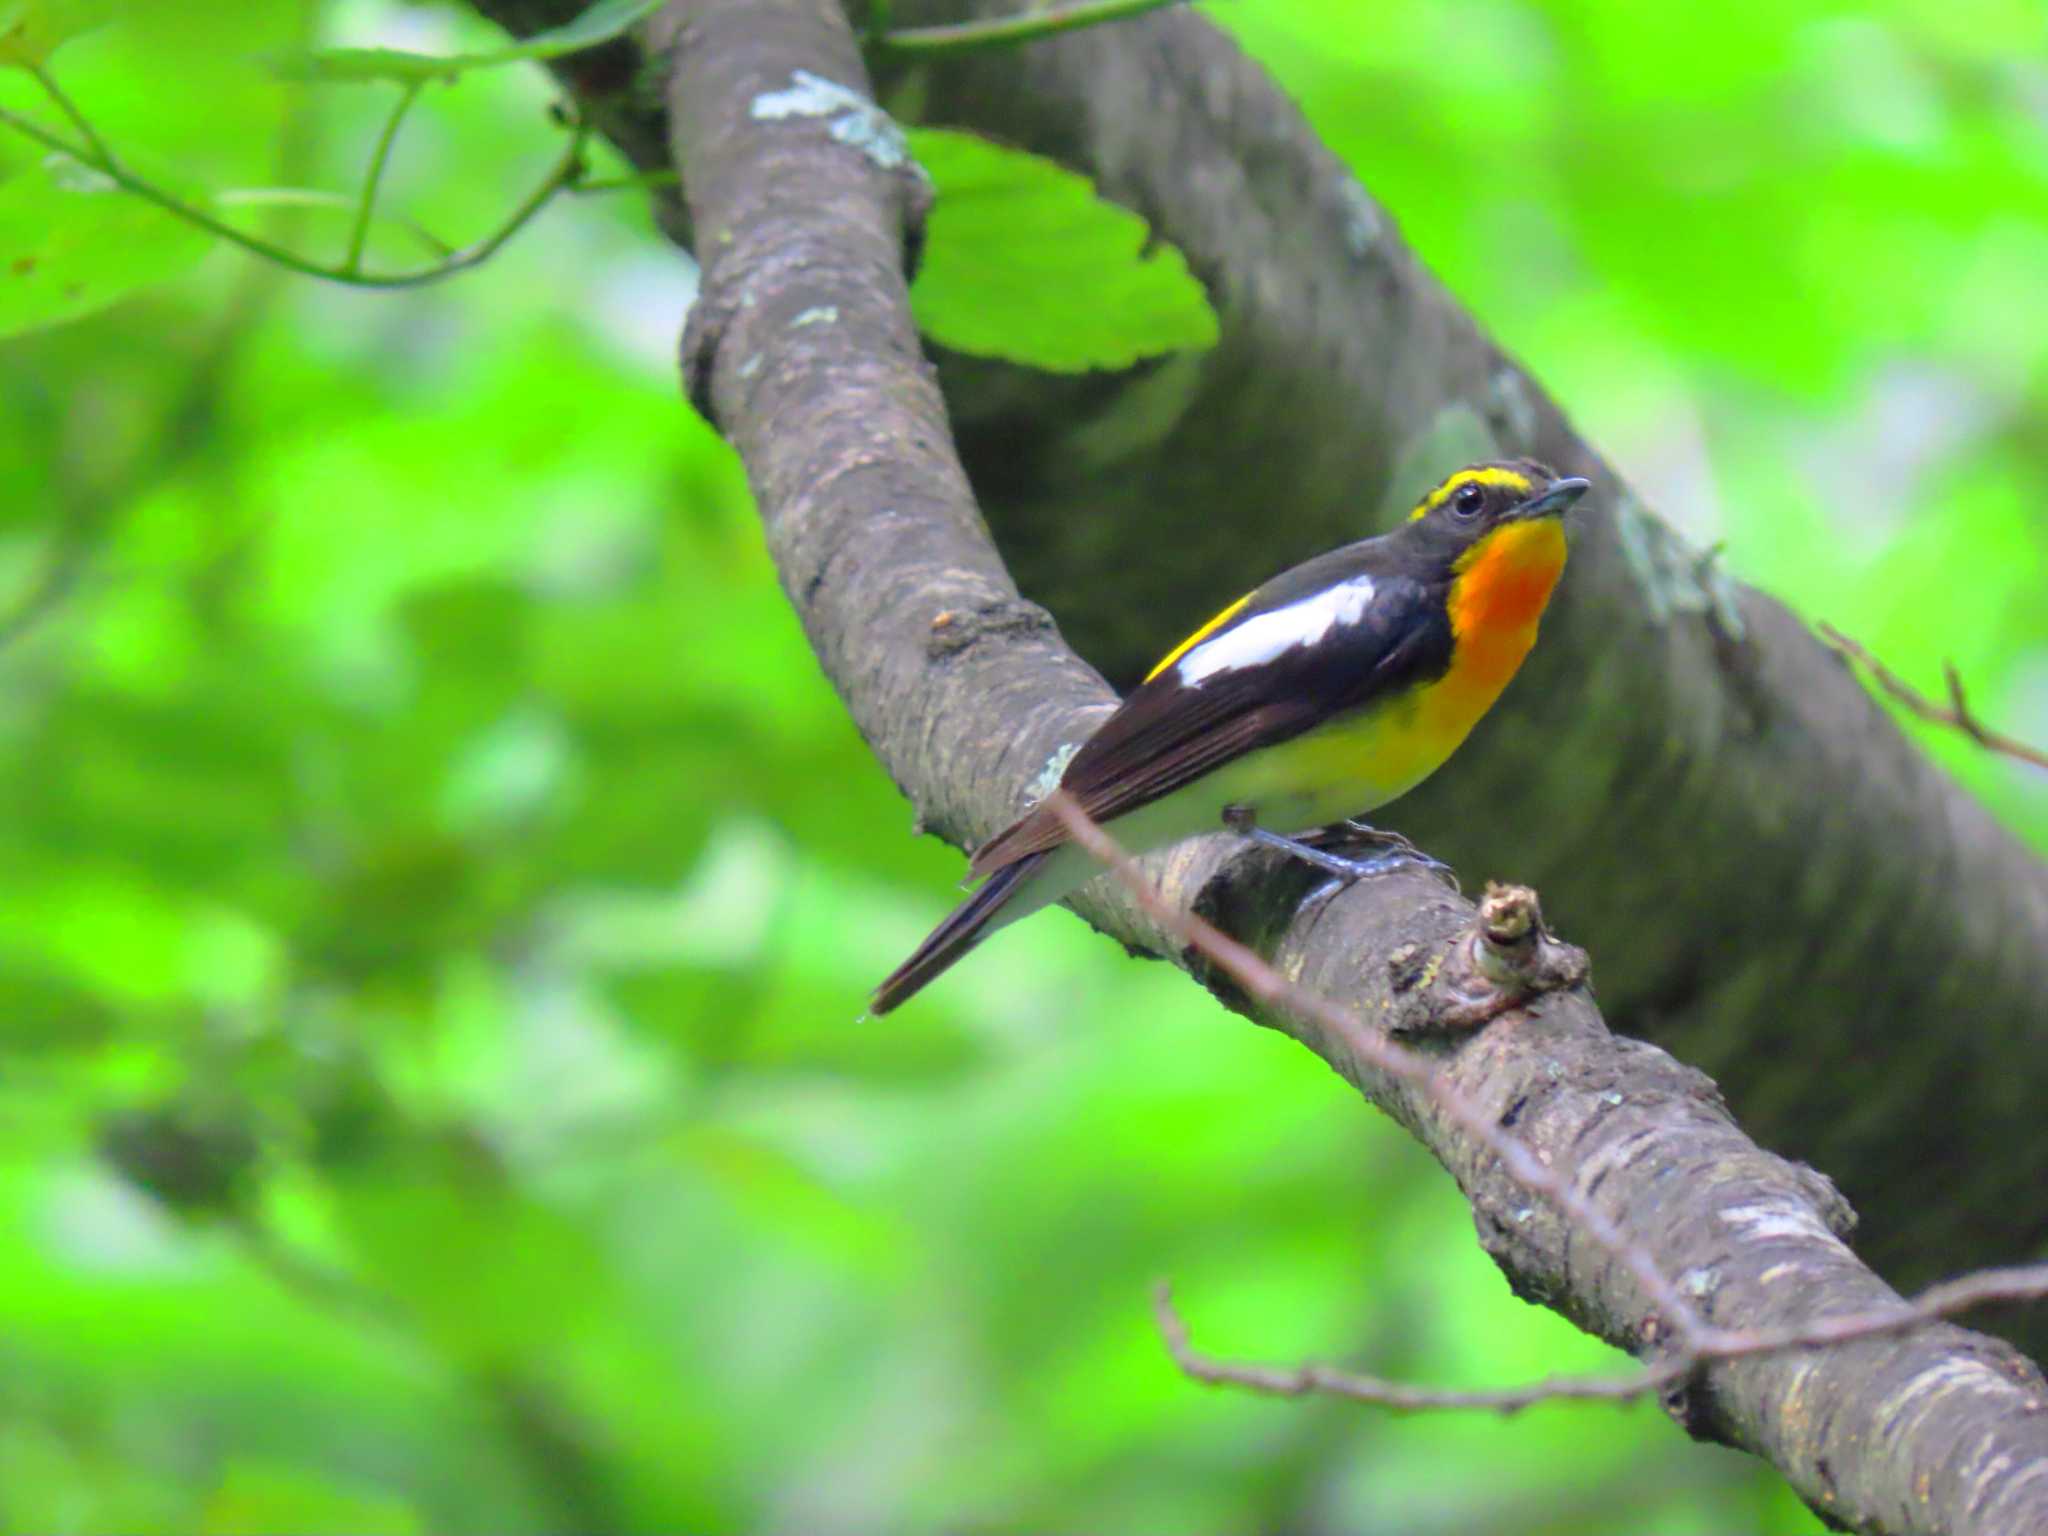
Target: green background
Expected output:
[438,890]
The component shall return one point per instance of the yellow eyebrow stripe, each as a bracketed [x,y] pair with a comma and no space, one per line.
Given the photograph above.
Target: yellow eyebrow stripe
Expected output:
[1517,483]
[1199,636]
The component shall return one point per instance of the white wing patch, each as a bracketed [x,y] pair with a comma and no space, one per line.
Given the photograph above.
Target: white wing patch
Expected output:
[1259,640]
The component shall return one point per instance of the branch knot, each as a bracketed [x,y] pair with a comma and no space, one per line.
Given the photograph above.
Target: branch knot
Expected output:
[954,630]
[1505,958]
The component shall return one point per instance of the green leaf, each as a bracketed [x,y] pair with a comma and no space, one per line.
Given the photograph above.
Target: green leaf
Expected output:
[31,30]
[1023,261]
[600,24]
[71,242]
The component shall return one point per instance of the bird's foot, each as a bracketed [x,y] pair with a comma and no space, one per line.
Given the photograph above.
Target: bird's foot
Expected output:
[1395,851]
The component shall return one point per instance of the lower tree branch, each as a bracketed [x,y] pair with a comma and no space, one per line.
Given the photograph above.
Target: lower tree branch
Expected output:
[812,366]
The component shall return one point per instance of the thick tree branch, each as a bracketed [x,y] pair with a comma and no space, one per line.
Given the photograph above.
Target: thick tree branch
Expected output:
[1780,887]
[811,364]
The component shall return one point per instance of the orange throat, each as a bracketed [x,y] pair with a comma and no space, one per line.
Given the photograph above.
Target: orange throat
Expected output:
[1358,762]
[1502,585]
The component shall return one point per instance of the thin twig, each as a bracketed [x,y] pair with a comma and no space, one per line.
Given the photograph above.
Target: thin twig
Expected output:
[1936,1304]
[1007,31]
[1980,1288]
[69,108]
[1957,714]
[1268,986]
[1301,1380]
[647,179]
[564,174]
[359,233]
[314,197]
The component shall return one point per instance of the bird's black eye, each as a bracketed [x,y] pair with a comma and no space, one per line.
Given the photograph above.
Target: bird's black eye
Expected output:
[1468,501]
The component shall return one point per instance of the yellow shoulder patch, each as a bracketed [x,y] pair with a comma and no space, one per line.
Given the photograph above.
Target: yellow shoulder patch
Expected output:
[1199,636]
[1489,475]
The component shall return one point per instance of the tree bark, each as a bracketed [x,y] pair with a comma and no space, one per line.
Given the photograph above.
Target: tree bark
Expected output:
[1777,885]
[803,349]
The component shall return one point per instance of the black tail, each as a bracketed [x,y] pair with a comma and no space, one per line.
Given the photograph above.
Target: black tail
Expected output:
[953,937]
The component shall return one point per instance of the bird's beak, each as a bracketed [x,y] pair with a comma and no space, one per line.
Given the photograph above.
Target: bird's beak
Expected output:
[1556,501]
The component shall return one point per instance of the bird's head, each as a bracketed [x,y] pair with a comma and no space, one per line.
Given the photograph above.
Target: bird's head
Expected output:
[1481,498]
[1494,532]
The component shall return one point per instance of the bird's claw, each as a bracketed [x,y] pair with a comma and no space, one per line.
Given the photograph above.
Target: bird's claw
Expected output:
[1396,851]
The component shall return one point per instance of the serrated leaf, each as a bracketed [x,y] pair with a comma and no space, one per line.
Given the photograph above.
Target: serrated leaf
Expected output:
[600,24]
[31,30]
[71,242]
[1024,262]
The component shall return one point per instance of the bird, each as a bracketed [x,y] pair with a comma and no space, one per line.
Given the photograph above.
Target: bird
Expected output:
[1334,688]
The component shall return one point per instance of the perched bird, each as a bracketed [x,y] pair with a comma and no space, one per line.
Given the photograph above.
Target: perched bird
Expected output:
[1332,689]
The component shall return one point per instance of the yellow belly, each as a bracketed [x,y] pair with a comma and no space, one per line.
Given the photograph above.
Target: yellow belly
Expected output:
[1359,763]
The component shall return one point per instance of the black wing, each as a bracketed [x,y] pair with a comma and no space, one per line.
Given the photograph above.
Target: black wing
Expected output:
[1173,730]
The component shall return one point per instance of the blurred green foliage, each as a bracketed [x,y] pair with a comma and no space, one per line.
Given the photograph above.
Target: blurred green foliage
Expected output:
[603,21]
[1088,288]
[437,888]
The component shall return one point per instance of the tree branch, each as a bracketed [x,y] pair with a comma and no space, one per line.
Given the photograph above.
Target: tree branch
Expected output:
[965,691]
[1507,958]
[1737,829]
[1782,889]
